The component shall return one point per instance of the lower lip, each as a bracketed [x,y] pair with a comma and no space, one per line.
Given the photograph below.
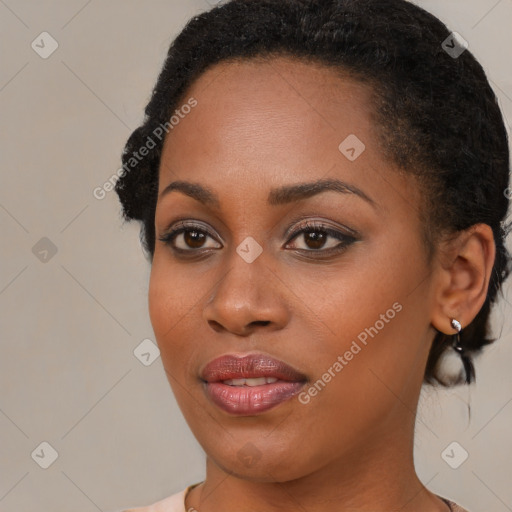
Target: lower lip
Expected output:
[250,400]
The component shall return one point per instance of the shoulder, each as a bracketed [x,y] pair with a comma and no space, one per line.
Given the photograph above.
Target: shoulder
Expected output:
[457,508]
[454,507]
[173,503]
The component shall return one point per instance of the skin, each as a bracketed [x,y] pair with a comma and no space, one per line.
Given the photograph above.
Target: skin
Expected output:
[260,125]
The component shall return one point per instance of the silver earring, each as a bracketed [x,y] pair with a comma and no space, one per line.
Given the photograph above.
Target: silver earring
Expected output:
[464,354]
[450,370]
[456,342]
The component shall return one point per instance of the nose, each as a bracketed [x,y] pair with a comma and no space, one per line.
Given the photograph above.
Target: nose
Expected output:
[247,297]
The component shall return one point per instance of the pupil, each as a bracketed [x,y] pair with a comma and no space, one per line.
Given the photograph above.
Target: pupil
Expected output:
[318,239]
[194,238]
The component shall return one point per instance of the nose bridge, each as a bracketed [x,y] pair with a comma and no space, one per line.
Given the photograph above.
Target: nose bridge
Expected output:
[244,296]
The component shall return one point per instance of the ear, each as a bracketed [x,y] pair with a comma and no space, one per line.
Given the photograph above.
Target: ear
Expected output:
[464,271]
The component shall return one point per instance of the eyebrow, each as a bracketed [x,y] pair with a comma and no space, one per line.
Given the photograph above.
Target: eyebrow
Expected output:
[277,196]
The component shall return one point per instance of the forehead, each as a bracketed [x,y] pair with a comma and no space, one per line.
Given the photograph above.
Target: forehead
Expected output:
[263,123]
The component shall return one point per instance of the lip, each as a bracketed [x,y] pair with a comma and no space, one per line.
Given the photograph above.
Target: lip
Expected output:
[233,366]
[250,400]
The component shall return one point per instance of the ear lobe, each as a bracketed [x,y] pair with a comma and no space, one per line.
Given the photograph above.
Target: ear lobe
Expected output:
[467,263]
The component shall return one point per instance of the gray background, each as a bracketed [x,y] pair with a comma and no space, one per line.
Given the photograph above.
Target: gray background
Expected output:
[70,321]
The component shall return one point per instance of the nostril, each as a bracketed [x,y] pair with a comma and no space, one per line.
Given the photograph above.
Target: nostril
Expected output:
[261,322]
[215,325]
[219,327]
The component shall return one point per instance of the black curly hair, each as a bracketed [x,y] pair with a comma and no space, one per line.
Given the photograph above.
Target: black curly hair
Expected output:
[438,118]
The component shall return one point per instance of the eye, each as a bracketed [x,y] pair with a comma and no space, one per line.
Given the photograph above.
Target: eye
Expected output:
[188,238]
[316,237]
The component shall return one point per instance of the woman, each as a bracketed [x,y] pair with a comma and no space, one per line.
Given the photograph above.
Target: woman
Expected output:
[321,187]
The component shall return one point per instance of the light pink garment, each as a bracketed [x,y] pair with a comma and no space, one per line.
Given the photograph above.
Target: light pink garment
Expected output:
[176,503]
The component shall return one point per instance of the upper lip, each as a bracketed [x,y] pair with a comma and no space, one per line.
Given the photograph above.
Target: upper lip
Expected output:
[232,366]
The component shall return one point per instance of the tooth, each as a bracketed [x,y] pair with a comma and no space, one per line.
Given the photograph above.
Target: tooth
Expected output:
[236,382]
[255,382]
[259,381]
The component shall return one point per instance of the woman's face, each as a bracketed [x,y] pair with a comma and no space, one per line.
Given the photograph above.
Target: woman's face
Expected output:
[331,281]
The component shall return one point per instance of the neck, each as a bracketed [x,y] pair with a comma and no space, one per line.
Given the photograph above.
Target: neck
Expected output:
[378,475]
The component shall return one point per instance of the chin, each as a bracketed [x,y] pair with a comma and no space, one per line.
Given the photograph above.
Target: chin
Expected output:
[259,464]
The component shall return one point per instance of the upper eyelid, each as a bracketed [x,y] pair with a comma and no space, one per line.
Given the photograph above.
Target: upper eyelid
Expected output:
[309,223]
[178,227]
[185,224]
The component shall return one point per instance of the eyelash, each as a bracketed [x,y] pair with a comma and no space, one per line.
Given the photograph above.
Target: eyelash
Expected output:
[315,226]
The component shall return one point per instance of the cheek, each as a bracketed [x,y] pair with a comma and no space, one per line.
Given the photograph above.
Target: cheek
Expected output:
[170,295]
[169,303]
[373,312]
[378,334]
[160,296]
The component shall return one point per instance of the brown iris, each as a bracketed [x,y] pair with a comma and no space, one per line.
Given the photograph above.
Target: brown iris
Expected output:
[194,238]
[316,237]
